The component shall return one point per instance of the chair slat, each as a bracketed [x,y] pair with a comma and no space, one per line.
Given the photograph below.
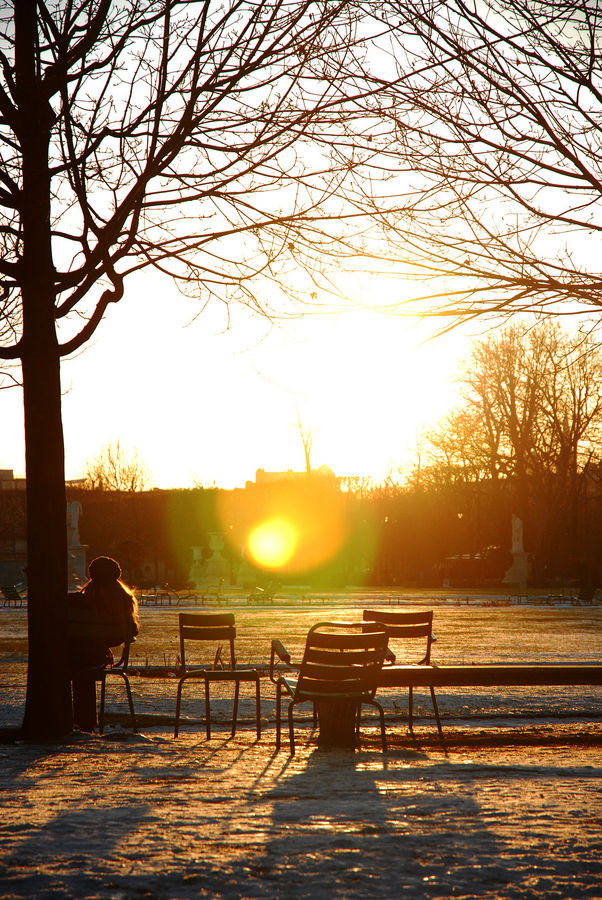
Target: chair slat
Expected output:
[341,657]
[399,618]
[211,619]
[409,631]
[344,641]
[333,686]
[202,633]
[334,672]
[206,628]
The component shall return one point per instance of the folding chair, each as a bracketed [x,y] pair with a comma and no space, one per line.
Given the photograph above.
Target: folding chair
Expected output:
[213,629]
[86,630]
[409,626]
[341,663]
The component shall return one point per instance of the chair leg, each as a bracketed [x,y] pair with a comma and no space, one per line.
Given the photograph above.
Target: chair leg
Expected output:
[101,711]
[130,701]
[291,730]
[235,710]
[381,714]
[410,703]
[383,734]
[178,700]
[435,707]
[278,703]
[258,707]
[207,710]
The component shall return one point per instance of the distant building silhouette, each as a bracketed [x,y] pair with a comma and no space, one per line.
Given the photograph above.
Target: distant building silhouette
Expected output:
[8,482]
[263,477]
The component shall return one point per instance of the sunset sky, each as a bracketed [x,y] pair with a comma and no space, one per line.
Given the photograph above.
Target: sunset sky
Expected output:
[203,404]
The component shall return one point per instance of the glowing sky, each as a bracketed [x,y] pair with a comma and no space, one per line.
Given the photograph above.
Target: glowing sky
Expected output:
[208,405]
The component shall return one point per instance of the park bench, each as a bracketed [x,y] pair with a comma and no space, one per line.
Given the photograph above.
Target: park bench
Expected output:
[263,596]
[11,595]
[492,675]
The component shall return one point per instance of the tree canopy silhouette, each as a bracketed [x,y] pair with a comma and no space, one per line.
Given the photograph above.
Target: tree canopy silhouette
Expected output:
[495,150]
[529,420]
[203,139]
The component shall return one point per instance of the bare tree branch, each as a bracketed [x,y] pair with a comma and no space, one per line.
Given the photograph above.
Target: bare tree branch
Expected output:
[494,114]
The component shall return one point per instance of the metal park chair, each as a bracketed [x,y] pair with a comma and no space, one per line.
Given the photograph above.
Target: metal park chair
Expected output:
[409,627]
[119,669]
[341,664]
[213,629]
[82,629]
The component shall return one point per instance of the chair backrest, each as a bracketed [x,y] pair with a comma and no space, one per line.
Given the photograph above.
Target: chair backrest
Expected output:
[208,628]
[123,661]
[341,659]
[407,626]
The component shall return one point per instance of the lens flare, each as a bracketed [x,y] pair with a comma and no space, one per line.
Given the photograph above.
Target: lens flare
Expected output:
[272,544]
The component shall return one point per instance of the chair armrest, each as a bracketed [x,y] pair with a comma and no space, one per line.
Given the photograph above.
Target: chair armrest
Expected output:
[278,650]
[390,656]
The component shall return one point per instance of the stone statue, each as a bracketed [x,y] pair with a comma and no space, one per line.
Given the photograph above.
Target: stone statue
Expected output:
[74,509]
[517,535]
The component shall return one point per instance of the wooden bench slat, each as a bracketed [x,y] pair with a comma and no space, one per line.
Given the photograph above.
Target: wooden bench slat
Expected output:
[492,675]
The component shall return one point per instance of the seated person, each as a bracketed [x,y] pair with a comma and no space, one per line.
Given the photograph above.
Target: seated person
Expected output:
[102,615]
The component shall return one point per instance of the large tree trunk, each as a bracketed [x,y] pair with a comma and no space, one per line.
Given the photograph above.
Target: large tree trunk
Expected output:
[48,699]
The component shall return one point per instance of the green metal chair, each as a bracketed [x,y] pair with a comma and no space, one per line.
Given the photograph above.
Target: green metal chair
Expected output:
[213,629]
[409,626]
[340,664]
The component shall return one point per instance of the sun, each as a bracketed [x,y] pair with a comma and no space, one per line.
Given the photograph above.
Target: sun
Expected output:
[273,543]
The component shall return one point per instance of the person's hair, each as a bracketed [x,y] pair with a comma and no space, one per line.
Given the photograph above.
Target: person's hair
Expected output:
[106,591]
[104,569]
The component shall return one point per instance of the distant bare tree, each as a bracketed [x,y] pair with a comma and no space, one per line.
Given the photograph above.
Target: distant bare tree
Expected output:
[306,433]
[531,416]
[117,468]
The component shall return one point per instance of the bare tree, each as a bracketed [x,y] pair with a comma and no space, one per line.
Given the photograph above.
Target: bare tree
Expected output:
[495,152]
[196,137]
[530,416]
[306,433]
[117,468]
[458,450]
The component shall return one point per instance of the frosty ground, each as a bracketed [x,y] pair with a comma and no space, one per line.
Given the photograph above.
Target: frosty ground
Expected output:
[511,808]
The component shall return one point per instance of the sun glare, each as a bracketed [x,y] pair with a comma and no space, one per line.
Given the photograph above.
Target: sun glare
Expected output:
[273,543]
[365,383]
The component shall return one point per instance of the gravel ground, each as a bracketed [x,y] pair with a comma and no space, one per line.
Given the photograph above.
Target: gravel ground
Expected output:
[502,814]
[511,809]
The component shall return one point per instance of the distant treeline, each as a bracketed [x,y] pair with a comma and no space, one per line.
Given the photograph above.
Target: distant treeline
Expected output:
[524,440]
[455,534]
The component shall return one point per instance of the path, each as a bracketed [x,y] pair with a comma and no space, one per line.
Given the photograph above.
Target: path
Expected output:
[146,816]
